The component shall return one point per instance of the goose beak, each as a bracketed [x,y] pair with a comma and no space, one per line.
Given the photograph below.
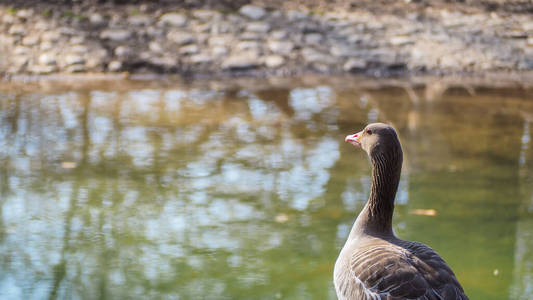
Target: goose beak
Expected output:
[354,139]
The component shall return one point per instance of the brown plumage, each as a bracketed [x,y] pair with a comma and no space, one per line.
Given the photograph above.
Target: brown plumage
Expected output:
[375,264]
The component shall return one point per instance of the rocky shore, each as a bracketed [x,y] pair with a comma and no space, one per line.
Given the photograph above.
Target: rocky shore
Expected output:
[252,39]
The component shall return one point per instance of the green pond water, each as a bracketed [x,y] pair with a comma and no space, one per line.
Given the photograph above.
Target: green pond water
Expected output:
[177,191]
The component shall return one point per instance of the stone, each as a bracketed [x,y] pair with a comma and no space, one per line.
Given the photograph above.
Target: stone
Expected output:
[201,59]
[25,13]
[79,49]
[45,46]
[72,59]
[294,15]
[251,36]
[180,37]
[30,40]
[17,29]
[117,35]
[155,47]
[173,19]
[259,27]
[47,58]
[401,40]
[252,12]
[123,51]
[114,66]
[206,15]
[21,50]
[355,65]
[311,55]
[77,40]
[218,51]
[279,34]
[40,69]
[96,58]
[220,40]
[77,68]
[240,61]
[313,38]
[96,19]
[280,47]
[343,50]
[50,36]
[139,20]
[9,19]
[189,50]
[248,45]
[274,61]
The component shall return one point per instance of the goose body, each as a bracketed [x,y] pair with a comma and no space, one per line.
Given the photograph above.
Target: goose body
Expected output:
[374,263]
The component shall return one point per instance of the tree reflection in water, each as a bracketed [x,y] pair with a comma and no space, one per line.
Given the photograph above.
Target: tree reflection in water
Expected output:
[199,193]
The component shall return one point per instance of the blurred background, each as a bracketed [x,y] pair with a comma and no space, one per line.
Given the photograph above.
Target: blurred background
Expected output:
[195,149]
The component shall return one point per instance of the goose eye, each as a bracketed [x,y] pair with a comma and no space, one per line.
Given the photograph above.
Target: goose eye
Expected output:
[369,132]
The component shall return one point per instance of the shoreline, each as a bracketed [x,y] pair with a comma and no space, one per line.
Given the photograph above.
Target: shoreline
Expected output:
[256,41]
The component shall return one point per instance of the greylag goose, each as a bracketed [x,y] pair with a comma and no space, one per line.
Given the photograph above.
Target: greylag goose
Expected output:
[374,263]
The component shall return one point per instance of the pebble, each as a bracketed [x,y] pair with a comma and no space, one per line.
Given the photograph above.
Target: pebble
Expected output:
[50,36]
[240,61]
[259,27]
[201,59]
[252,12]
[117,35]
[139,20]
[180,37]
[280,47]
[173,19]
[17,29]
[189,49]
[72,59]
[274,61]
[30,40]
[96,19]
[355,65]
[114,66]
[123,51]
[47,59]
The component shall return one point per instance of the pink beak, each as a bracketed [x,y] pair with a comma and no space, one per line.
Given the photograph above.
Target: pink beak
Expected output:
[354,139]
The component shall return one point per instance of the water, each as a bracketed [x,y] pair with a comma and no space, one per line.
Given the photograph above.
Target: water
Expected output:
[176,191]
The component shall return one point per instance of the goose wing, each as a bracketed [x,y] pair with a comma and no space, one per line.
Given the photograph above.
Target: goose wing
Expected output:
[405,270]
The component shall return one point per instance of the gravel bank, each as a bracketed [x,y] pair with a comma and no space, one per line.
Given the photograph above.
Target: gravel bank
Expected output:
[258,40]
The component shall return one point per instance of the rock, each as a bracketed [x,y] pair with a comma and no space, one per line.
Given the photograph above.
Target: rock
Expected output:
[155,47]
[180,37]
[274,61]
[206,15]
[313,38]
[50,36]
[117,35]
[9,19]
[173,19]
[45,46]
[42,26]
[311,55]
[218,51]
[96,19]
[30,40]
[17,29]
[123,51]
[40,69]
[114,66]
[79,49]
[139,20]
[252,12]
[259,27]
[279,34]
[355,65]
[248,45]
[240,61]
[165,62]
[21,50]
[72,59]
[18,63]
[77,40]
[220,40]
[251,36]
[25,13]
[401,40]
[201,59]
[47,58]
[96,58]
[294,15]
[77,68]
[342,50]
[189,50]
[280,47]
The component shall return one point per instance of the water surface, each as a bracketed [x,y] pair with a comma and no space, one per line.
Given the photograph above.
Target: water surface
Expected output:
[208,192]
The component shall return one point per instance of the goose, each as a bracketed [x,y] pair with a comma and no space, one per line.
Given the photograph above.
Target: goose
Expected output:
[374,263]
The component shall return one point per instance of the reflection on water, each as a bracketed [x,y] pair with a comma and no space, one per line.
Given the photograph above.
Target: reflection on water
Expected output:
[197,193]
